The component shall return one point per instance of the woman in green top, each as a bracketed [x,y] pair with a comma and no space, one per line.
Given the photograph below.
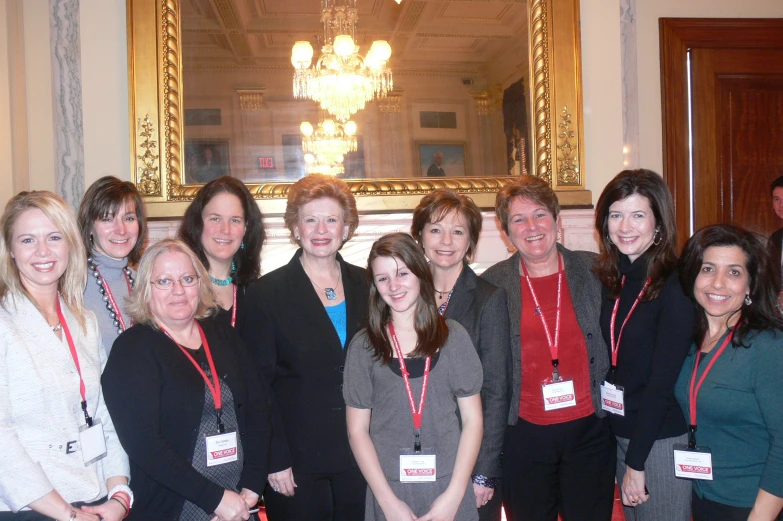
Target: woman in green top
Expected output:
[733,399]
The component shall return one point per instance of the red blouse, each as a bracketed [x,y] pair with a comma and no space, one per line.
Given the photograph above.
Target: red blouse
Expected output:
[536,357]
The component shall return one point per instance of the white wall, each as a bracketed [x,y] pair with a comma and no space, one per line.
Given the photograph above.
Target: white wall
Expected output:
[647,13]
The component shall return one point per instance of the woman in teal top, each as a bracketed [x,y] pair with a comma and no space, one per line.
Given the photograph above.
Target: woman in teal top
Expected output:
[738,358]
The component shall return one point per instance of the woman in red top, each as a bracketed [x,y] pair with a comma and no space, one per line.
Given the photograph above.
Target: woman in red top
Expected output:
[559,454]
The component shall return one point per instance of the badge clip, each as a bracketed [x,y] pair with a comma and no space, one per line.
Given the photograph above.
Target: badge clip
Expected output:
[555,372]
[417,441]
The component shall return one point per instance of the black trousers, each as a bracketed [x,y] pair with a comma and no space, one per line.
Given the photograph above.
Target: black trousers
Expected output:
[706,510]
[320,497]
[566,468]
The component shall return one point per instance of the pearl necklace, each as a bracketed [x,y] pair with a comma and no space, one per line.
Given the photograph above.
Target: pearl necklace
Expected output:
[102,285]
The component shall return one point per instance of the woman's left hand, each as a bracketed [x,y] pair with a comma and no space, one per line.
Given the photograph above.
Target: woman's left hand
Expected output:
[250,497]
[111,510]
[444,508]
[634,491]
[483,494]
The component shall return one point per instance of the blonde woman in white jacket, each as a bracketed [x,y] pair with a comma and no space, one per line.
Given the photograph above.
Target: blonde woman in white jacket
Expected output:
[61,456]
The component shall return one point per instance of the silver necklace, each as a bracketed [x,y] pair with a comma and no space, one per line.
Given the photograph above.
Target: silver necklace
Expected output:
[331,293]
[100,281]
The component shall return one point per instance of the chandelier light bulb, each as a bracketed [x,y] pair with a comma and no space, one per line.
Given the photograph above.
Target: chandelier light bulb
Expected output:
[381,50]
[306,128]
[350,128]
[302,54]
[344,45]
[309,158]
[329,126]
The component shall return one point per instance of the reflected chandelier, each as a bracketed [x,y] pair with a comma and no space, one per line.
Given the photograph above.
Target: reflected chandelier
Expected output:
[341,81]
[326,145]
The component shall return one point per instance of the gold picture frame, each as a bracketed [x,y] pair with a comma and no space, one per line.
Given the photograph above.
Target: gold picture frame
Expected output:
[157,140]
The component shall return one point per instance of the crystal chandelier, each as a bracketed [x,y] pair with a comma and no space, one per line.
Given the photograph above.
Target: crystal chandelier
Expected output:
[341,81]
[326,145]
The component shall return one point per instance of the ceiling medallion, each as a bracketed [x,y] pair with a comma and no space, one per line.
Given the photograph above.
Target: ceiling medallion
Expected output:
[341,81]
[326,145]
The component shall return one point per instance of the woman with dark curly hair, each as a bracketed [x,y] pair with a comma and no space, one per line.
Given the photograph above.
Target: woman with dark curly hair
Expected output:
[224,227]
[730,386]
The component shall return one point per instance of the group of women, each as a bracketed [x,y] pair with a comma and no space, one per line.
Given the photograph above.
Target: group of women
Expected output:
[412,390]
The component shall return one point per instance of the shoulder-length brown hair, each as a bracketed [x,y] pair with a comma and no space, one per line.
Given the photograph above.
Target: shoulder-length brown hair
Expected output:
[663,255]
[434,206]
[103,198]
[74,279]
[431,328]
[317,186]
[527,187]
[139,302]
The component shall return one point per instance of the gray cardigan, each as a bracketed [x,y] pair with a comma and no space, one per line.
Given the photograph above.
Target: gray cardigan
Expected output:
[586,297]
[480,307]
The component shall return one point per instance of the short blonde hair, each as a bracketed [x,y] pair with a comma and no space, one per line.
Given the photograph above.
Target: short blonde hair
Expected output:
[74,278]
[139,302]
[318,186]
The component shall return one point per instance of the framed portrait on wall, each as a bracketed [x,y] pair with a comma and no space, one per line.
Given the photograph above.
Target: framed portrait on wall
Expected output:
[442,159]
[206,160]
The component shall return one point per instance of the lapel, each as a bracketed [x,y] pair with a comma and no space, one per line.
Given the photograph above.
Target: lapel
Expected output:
[514,294]
[308,304]
[464,294]
[575,276]
[356,292]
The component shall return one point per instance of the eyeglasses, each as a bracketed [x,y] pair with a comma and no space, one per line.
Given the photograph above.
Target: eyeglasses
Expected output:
[168,284]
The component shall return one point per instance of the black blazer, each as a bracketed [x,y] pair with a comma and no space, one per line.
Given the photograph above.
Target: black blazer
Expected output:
[296,348]
[156,400]
[480,307]
[586,297]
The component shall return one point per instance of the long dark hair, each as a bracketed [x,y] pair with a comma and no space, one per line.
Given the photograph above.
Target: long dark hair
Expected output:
[247,259]
[103,198]
[763,313]
[662,256]
[431,328]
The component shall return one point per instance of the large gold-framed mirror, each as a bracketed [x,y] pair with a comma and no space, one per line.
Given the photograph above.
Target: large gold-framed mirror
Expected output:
[211,93]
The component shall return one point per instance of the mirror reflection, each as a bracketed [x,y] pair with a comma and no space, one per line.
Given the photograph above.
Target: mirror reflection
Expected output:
[275,90]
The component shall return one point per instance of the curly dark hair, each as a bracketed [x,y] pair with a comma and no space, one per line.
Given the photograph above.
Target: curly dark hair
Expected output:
[247,259]
[663,256]
[431,328]
[763,313]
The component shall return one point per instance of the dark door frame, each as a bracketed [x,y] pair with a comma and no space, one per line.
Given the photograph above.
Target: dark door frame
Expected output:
[677,37]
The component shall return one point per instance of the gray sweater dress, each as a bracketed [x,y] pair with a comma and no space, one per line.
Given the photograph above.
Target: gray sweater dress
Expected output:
[455,372]
[112,272]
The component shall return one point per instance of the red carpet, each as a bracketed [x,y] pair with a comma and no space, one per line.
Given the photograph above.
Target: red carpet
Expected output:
[617,514]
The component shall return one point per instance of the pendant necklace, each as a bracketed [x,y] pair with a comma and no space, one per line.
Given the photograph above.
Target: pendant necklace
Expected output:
[331,293]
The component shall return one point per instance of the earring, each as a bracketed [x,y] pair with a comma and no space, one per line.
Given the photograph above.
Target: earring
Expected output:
[559,235]
[660,237]
[242,246]
[297,237]
[748,300]
[233,266]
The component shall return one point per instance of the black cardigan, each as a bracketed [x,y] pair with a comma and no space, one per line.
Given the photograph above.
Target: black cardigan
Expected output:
[653,348]
[156,399]
[296,348]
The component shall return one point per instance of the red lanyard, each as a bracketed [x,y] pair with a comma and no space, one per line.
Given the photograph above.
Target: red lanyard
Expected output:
[553,346]
[616,343]
[693,392]
[417,414]
[75,356]
[214,385]
[234,309]
[111,296]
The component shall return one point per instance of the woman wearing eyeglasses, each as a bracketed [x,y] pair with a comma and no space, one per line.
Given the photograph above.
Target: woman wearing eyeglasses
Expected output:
[188,406]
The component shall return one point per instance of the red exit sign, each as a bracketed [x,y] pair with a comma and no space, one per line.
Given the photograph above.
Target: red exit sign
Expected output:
[266,163]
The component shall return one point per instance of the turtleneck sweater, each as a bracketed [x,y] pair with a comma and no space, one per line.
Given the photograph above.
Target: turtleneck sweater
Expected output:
[653,347]
[112,272]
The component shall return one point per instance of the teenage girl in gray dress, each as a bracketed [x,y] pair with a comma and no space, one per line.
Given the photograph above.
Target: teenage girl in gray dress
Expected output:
[406,376]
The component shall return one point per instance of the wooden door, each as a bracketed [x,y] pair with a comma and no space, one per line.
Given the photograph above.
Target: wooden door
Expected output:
[737,117]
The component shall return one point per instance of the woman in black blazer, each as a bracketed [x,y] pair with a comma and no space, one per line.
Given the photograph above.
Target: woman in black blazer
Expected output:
[298,321]
[225,228]
[447,226]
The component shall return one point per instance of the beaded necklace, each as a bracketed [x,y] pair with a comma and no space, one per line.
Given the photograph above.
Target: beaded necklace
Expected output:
[108,296]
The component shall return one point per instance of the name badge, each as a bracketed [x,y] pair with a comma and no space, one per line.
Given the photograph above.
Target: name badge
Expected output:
[417,467]
[612,399]
[692,463]
[558,395]
[92,442]
[221,449]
